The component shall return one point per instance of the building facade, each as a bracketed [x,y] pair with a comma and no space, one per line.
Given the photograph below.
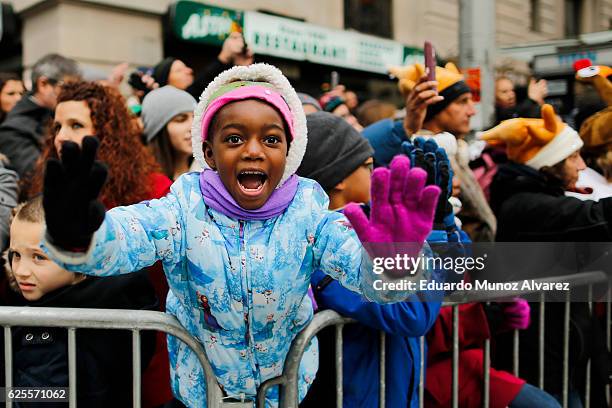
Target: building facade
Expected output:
[137,22]
[104,33]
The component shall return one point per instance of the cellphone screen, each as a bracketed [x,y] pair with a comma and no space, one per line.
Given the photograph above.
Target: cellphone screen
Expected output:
[335,79]
[430,61]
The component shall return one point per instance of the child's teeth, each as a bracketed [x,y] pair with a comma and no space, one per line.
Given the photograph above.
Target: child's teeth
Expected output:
[252,183]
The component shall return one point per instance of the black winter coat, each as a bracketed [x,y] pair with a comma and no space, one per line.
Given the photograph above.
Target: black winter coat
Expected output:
[526,109]
[104,357]
[532,208]
[205,77]
[22,134]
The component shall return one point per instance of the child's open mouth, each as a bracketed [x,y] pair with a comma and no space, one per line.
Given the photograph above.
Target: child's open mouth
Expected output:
[252,182]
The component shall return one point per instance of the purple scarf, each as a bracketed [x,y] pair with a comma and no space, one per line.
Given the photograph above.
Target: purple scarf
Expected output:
[217,197]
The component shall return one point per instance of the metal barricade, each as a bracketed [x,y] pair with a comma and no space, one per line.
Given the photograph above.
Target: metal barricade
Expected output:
[288,381]
[136,321]
[132,320]
[581,279]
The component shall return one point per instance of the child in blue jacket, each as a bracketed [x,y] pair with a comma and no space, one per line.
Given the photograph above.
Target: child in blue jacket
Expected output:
[341,161]
[240,240]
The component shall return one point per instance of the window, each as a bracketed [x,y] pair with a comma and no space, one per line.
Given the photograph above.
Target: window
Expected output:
[369,16]
[534,16]
[573,10]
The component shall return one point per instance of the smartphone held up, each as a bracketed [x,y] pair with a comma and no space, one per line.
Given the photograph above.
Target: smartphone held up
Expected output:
[430,61]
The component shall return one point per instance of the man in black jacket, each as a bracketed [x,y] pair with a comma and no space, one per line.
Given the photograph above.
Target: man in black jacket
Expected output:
[22,133]
[506,106]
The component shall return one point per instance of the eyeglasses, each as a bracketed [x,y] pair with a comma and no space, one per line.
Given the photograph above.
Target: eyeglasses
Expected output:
[55,82]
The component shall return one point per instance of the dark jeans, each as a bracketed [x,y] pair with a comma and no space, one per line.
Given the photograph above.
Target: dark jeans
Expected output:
[573,399]
[530,396]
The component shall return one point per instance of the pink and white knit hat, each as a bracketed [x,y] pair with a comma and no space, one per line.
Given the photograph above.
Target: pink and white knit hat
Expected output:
[258,81]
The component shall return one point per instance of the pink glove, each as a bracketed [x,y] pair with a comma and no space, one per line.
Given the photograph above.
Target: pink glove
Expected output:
[402,208]
[516,314]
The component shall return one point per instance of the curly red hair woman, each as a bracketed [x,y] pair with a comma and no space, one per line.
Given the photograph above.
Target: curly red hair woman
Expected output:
[88,108]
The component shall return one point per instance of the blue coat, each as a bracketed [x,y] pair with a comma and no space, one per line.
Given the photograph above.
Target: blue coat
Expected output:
[403,322]
[239,287]
[386,138]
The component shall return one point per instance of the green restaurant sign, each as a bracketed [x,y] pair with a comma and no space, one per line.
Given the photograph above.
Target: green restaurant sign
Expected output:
[291,39]
[192,21]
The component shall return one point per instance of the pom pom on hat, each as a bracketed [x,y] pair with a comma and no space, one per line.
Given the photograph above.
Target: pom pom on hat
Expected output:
[535,142]
[582,63]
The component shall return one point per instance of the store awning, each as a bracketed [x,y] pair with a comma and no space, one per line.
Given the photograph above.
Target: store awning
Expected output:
[286,38]
[562,62]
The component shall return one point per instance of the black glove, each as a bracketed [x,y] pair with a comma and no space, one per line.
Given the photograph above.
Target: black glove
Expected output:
[73,211]
[433,159]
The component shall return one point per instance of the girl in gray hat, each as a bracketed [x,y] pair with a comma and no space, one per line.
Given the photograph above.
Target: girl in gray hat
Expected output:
[167,115]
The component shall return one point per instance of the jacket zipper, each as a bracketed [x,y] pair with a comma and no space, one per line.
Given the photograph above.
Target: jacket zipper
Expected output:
[249,303]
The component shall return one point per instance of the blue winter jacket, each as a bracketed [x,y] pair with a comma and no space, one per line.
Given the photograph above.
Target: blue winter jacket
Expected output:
[239,287]
[403,323]
[386,138]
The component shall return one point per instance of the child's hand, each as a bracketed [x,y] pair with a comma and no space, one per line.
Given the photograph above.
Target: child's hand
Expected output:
[402,209]
[427,155]
[505,316]
[516,314]
[71,188]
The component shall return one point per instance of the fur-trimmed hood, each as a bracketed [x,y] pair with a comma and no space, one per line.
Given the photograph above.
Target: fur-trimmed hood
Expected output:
[258,73]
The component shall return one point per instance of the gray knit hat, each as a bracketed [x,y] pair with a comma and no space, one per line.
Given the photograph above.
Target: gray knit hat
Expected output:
[335,150]
[161,105]
[309,100]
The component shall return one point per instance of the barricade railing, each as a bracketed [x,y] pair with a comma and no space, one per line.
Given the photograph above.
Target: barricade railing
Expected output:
[137,321]
[575,280]
[130,320]
[288,380]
